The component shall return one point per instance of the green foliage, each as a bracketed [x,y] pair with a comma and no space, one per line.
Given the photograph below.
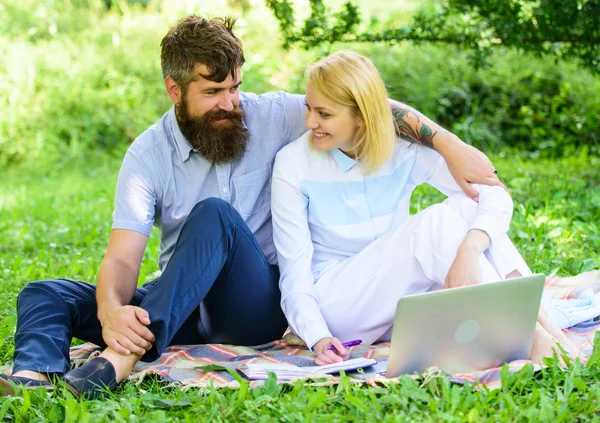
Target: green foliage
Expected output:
[80,80]
[557,207]
[34,21]
[319,28]
[543,107]
[78,77]
[552,395]
[565,29]
[58,224]
[78,91]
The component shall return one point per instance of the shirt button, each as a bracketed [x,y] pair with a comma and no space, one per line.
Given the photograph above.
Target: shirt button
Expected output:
[225,190]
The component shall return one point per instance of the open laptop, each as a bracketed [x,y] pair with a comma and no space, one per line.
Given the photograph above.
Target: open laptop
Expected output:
[465,329]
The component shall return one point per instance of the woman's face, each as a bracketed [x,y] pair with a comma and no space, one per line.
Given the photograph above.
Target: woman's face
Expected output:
[333,125]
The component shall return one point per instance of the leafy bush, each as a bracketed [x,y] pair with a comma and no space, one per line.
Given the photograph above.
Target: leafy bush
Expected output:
[88,78]
[91,89]
[569,29]
[93,82]
[522,102]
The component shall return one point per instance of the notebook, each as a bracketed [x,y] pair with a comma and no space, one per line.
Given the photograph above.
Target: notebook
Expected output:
[285,371]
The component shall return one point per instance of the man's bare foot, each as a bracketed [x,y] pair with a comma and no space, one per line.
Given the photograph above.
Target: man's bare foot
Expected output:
[123,364]
[32,375]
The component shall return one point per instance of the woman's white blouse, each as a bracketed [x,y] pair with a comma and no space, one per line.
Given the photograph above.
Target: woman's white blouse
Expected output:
[325,210]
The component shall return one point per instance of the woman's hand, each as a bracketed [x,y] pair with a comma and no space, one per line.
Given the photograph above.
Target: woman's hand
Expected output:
[327,356]
[465,270]
[466,267]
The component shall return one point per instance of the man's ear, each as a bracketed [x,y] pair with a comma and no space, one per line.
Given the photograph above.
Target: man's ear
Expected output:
[173,90]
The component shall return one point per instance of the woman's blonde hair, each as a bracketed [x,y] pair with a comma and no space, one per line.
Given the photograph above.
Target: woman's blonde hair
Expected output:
[351,80]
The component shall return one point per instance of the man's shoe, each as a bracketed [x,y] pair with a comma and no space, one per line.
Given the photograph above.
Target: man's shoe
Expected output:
[92,380]
[9,383]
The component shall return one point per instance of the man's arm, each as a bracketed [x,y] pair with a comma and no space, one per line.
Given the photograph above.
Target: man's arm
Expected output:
[466,163]
[123,327]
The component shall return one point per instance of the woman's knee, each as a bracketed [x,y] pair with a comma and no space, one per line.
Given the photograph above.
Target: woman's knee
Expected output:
[463,205]
[443,224]
[436,240]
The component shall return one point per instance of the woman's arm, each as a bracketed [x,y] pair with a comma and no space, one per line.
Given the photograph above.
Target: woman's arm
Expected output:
[466,163]
[466,268]
[488,219]
[292,239]
[493,208]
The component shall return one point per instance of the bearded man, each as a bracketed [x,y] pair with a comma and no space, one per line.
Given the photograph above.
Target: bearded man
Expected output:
[202,175]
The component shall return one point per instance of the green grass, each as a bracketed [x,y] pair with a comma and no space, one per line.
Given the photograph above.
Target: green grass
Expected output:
[56,223]
[549,396]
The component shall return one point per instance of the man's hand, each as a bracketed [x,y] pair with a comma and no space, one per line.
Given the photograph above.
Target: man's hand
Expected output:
[124,330]
[327,356]
[469,165]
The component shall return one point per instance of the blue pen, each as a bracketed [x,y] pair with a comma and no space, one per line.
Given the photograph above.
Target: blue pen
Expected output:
[347,344]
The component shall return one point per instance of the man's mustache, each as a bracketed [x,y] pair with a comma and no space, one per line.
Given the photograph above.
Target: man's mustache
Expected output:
[235,114]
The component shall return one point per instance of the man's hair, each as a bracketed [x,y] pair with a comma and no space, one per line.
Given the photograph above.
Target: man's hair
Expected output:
[194,41]
[349,79]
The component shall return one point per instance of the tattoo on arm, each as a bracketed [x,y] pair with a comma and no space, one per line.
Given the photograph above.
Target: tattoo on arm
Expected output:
[407,132]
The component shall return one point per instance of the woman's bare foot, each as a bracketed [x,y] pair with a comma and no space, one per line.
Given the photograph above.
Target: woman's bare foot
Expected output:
[559,336]
[546,345]
[548,338]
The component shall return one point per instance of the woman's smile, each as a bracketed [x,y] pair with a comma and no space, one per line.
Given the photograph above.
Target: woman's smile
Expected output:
[319,136]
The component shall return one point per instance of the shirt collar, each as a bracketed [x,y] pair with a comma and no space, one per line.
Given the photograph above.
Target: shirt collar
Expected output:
[183,145]
[344,162]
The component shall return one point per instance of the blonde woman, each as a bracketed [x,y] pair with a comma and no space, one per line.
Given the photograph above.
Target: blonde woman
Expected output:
[346,245]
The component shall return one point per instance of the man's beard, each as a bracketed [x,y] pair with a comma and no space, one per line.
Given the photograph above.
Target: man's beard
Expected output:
[217,142]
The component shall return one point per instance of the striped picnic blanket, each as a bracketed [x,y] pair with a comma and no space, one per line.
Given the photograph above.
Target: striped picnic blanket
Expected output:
[186,365]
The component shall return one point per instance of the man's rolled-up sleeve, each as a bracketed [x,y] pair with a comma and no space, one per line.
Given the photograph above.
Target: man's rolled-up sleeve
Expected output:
[135,197]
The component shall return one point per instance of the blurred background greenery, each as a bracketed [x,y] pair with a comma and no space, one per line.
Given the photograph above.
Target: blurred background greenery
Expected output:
[80,79]
[83,75]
